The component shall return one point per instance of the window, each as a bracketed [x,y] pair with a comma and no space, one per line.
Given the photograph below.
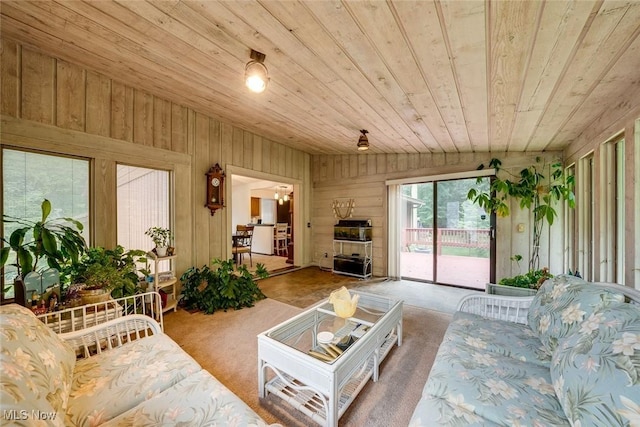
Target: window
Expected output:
[612,212]
[143,200]
[27,179]
[585,228]
[571,256]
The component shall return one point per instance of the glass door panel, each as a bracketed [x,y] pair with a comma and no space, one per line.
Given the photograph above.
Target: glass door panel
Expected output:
[416,256]
[463,235]
[454,246]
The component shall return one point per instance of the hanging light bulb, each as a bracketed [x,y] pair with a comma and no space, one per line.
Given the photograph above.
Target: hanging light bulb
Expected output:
[285,197]
[256,76]
[280,202]
[363,141]
[276,196]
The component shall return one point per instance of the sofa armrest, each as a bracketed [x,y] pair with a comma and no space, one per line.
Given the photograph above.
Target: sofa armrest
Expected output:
[513,309]
[114,333]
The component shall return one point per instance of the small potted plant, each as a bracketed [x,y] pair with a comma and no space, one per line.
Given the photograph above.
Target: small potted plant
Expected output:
[161,238]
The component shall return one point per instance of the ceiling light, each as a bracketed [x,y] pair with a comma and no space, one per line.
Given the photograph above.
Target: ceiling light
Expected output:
[363,141]
[256,76]
[282,194]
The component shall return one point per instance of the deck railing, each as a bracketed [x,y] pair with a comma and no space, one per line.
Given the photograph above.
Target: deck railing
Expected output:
[452,237]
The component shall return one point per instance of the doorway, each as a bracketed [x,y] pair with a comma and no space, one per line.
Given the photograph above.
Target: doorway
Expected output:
[445,238]
[258,201]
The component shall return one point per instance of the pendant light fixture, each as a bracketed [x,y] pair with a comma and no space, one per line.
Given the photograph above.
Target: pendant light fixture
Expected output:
[282,194]
[256,76]
[363,141]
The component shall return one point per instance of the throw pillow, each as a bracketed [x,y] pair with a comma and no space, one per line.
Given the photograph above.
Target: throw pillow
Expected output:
[596,371]
[562,303]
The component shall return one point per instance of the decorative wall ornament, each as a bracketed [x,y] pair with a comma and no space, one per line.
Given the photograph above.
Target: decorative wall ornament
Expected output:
[343,208]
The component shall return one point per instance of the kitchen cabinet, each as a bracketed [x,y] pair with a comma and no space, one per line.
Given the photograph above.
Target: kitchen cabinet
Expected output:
[255,206]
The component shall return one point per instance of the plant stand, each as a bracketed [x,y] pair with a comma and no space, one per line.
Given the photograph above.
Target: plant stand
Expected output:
[165,280]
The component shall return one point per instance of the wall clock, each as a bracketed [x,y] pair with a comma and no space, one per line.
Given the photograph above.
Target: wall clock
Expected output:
[215,188]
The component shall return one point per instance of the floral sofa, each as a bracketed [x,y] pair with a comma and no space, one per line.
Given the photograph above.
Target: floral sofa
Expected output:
[136,375]
[570,355]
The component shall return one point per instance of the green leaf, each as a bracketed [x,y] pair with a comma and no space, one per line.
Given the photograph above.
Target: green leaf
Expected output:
[4,255]
[46,209]
[49,241]
[25,261]
[495,163]
[75,222]
[17,237]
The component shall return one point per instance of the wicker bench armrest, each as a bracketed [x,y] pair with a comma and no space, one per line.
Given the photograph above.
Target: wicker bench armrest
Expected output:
[114,333]
[513,309]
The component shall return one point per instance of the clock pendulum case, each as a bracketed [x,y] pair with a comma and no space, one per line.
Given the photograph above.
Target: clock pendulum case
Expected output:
[215,188]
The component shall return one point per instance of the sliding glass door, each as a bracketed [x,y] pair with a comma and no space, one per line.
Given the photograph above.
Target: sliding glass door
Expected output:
[444,237]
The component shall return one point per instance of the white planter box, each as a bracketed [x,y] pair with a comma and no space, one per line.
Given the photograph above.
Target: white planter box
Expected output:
[494,289]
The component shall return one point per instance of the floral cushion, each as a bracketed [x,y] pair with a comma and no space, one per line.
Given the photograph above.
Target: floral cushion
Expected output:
[499,388]
[199,400]
[446,411]
[36,365]
[561,304]
[115,381]
[499,336]
[596,371]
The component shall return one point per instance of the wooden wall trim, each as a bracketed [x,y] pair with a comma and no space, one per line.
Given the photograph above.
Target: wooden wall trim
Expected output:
[34,135]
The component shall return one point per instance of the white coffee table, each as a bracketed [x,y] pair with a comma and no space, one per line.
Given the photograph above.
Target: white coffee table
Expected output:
[324,389]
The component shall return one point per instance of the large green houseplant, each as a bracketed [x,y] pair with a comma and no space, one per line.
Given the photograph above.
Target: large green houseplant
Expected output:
[220,288]
[538,187]
[55,241]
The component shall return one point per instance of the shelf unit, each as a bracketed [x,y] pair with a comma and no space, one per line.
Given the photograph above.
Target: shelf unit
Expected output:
[165,280]
[352,257]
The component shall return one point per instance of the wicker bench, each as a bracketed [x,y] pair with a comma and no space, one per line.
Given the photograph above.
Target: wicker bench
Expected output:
[525,361]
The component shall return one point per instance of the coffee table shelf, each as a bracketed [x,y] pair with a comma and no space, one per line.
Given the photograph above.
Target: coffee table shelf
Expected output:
[309,402]
[323,390]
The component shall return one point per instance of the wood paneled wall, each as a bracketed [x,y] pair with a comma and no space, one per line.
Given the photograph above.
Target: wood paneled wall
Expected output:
[362,177]
[53,106]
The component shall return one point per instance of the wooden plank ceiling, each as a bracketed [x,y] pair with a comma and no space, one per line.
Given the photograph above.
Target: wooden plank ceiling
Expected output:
[420,76]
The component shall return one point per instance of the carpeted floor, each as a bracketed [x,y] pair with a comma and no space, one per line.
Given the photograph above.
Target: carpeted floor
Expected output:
[225,344]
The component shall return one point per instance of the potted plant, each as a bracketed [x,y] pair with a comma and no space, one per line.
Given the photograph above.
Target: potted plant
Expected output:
[161,238]
[107,273]
[538,187]
[99,281]
[522,285]
[221,288]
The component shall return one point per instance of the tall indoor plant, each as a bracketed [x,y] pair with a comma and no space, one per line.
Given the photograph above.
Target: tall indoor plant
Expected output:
[55,241]
[538,187]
